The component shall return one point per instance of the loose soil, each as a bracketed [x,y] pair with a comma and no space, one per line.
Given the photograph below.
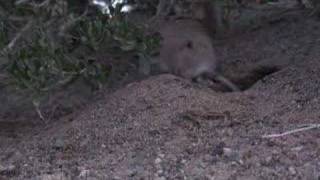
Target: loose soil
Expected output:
[165,127]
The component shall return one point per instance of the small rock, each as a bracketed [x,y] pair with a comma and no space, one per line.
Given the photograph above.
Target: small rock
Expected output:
[58,143]
[84,142]
[227,152]
[197,171]
[202,164]
[131,173]
[268,159]
[89,178]
[138,168]
[292,170]
[161,155]
[158,160]
[116,178]
[298,148]
[183,161]
[247,178]
[234,163]
[159,178]
[241,161]
[159,171]
[210,177]
[84,173]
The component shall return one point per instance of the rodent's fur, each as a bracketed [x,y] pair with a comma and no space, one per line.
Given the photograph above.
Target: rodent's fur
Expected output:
[187,50]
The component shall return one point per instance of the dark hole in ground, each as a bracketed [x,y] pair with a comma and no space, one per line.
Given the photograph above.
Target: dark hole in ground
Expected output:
[254,76]
[243,82]
[246,81]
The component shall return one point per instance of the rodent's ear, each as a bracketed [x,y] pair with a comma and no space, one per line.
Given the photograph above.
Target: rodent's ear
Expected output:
[198,11]
[206,12]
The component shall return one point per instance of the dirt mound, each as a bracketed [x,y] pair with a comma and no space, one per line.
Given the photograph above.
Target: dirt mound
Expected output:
[166,127]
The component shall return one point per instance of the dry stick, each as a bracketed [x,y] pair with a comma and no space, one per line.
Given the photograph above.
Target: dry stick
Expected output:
[44,3]
[20,2]
[23,30]
[39,5]
[64,27]
[7,15]
[163,5]
[309,127]
[17,37]
[315,11]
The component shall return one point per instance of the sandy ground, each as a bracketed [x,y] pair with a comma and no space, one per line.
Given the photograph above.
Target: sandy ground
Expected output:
[165,127]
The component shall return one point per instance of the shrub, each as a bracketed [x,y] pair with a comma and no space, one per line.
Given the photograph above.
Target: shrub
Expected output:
[54,47]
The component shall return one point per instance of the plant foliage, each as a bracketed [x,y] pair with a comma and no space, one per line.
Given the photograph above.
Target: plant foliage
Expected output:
[50,46]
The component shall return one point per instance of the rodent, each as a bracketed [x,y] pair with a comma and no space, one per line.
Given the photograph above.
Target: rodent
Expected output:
[187,50]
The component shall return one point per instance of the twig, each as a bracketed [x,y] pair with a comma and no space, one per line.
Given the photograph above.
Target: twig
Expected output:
[163,9]
[7,16]
[36,105]
[315,11]
[44,3]
[17,37]
[70,23]
[21,2]
[309,127]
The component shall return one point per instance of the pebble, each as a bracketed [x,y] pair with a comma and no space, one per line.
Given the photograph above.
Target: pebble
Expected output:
[158,160]
[227,152]
[84,173]
[292,170]
[58,143]
[159,178]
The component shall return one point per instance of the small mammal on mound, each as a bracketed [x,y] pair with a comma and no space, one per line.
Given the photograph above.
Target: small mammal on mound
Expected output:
[187,51]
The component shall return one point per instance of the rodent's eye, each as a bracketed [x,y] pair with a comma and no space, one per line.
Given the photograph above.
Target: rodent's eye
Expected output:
[190,44]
